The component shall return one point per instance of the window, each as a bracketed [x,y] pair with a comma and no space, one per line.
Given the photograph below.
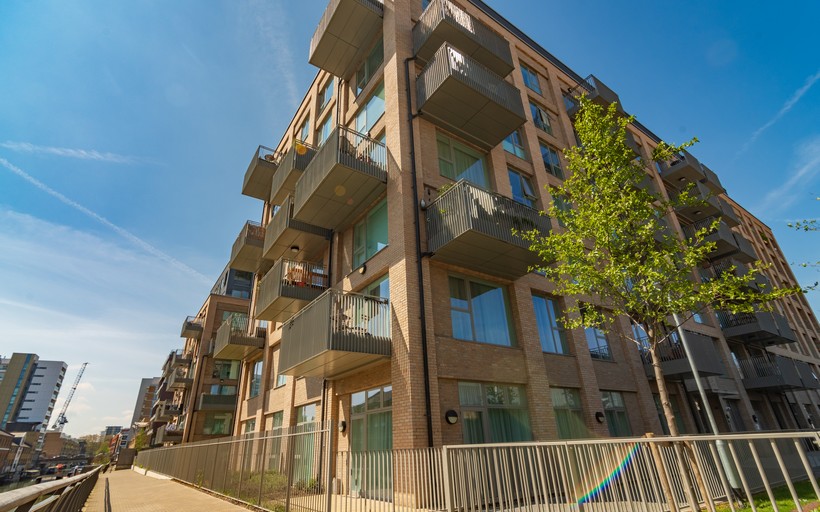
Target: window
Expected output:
[597,343]
[457,161]
[370,65]
[256,379]
[424,4]
[514,143]
[250,425]
[560,204]
[304,131]
[493,413]
[220,389]
[226,369]
[550,330]
[615,412]
[551,161]
[569,417]
[479,312]
[326,94]
[370,235]
[379,288]
[530,79]
[306,414]
[522,190]
[217,424]
[541,118]
[371,112]
[281,378]
[324,130]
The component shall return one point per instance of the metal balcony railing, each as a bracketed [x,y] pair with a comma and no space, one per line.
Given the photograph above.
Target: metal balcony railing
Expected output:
[247,248]
[294,162]
[595,90]
[191,327]
[260,172]
[211,402]
[234,339]
[340,38]
[287,287]
[761,372]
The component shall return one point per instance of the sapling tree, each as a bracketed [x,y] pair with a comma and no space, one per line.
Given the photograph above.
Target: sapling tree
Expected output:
[617,250]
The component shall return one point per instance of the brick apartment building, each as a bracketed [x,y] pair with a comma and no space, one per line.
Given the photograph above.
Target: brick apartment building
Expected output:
[390,293]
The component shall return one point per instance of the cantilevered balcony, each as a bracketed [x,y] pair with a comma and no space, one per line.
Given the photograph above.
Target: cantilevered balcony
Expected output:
[716,384]
[247,249]
[674,362]
[344,34]
[172,409]
[459,93]
[595,91]
[178,380]
[632,143]
[348,173]
[260,173]
[760,282]
[723,237]
[776,372]
[707,204]
[712,181]
[336,334]
[473,228]
[745,252]
[208,402]
[286,235]
[727,213]
[192,327]
[683,169]
[233,340]
[290,170]
[807,376]
[159,412]
[287,288]
[179,359]
[759,328]
[167,434]
[445,22]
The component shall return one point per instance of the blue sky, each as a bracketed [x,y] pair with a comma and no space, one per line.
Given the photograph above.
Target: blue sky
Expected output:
[126,129]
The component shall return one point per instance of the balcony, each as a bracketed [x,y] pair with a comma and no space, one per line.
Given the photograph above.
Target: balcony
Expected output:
[712,181]
[722,237]
[459,93]
[683,169]
[473,228]
[760,281]
[287,288]
[173,409]
[632,143]
[344,34]
[745,252]
[779,373]
[759,328]
[179,359]
[444,22]
[348,173]
[290,170]
[286,235]
[674,362]
[807,376]
[595,91]
[192,328]
[167,434]
[177,381]
[247,249]
[208,402]
[233,340]
[336,334]
[716,384]
[260,173]
[707,204]
[159,412]
[727,213]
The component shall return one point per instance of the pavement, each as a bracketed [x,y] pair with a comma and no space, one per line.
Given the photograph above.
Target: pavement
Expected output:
[132,491]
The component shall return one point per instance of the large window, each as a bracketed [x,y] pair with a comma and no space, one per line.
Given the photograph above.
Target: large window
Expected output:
[217,423]
[281,378]
[569,416]
[324,130]
[326,94]
[560,204]
[256,379]
[522,189]
[226,370]
[371,112]
[550,330]
[250,426]
[551,161]
[541,118]
[457,161]
[370,235]
[493,413]
[514,143]
[222,389]
[369,67]
[304,131]
[597,343]
[530,79]
[615,411]
[479,312]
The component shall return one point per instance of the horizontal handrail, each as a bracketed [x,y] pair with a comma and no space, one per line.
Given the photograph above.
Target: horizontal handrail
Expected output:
[23,498]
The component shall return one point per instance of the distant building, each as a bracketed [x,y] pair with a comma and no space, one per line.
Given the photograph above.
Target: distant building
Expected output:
[59,444]
[6,455]
[42,392]
[111,431]
[145,400]
[16,373]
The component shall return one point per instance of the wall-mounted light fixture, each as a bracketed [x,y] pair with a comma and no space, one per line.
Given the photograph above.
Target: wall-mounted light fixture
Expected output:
[342,426]
[294,249]
[599,417]
[451,417]
[362,269]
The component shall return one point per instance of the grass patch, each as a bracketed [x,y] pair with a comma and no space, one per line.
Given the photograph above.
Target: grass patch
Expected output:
[783,498]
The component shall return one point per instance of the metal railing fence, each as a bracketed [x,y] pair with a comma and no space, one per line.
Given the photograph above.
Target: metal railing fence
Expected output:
[287,469]
[64,495]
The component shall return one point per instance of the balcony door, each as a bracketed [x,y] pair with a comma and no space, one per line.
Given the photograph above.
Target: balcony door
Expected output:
[371,432]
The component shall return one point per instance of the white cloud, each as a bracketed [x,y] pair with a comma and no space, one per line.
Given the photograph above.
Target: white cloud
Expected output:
[134,239]
[806,168]
[790,103]
[82,154]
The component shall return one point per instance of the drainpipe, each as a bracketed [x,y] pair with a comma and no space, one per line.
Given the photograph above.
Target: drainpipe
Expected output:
[419,255]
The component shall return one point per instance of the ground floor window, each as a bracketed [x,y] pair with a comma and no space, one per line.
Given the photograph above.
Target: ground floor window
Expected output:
[615,412]
[217,423]
[371,431]
[493,413]
[569,416]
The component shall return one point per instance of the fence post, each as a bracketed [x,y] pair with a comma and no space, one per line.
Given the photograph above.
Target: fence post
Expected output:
[448,484]
[661,469]
[328,472]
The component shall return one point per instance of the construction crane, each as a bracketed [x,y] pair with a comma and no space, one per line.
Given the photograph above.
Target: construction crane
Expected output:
[61,419]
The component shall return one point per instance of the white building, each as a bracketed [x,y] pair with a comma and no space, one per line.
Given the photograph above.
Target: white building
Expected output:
[41,395]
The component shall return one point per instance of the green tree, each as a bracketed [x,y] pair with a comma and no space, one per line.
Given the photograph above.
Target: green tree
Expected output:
[616,252]
[141,440]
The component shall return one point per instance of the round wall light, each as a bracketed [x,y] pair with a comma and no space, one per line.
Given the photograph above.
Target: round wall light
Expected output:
[451,417]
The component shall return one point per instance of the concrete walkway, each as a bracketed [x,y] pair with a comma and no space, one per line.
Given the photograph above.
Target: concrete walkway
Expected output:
[131,491]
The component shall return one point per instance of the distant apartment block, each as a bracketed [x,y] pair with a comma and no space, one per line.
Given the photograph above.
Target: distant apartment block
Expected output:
[29,388]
